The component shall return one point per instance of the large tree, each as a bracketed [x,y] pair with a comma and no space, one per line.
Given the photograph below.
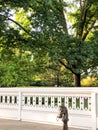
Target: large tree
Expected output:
[65,30]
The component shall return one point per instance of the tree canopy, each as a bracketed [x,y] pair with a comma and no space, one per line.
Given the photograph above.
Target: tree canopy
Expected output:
[56,31]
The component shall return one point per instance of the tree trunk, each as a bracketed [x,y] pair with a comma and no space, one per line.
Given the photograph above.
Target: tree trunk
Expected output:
[77,80]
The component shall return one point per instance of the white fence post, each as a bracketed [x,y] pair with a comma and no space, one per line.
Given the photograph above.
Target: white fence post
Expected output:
[19,105]
[94,111]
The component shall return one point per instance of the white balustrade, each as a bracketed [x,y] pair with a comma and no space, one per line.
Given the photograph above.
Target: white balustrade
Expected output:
[41,105]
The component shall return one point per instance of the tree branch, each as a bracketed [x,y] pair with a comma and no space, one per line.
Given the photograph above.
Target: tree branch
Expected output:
[9,19]
[88,30]
[67,67]
[83,16]
[20,26]
[52,68]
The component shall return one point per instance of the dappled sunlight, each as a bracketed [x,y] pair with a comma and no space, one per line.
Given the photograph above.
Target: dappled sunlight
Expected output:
[89,81]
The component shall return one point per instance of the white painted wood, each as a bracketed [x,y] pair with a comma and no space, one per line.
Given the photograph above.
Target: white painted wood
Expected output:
[94,111]
[41,105]
[19,105]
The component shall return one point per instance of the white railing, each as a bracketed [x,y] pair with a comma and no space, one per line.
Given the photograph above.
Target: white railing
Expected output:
[41,105]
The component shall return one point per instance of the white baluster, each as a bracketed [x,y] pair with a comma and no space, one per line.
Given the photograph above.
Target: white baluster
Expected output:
[34,100]
[52,101]
[59,101]
[74,103]
[19,105]
[46,101]
[28,100]
[3,99]
[82,103]
[13,97]
[89,103]
[66,101]
[8,99]
[40,101]
[23,100]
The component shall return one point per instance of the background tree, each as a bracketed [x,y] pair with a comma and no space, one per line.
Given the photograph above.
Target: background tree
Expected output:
[53,29]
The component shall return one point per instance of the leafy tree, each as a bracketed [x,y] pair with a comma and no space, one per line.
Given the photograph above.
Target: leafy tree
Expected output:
[67,36]
[14,69]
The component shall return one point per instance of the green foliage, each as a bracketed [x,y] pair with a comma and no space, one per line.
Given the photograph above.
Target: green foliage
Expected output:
[42,27]
[14,70]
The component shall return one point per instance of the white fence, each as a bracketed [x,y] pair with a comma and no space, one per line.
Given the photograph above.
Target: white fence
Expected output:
[41,105]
